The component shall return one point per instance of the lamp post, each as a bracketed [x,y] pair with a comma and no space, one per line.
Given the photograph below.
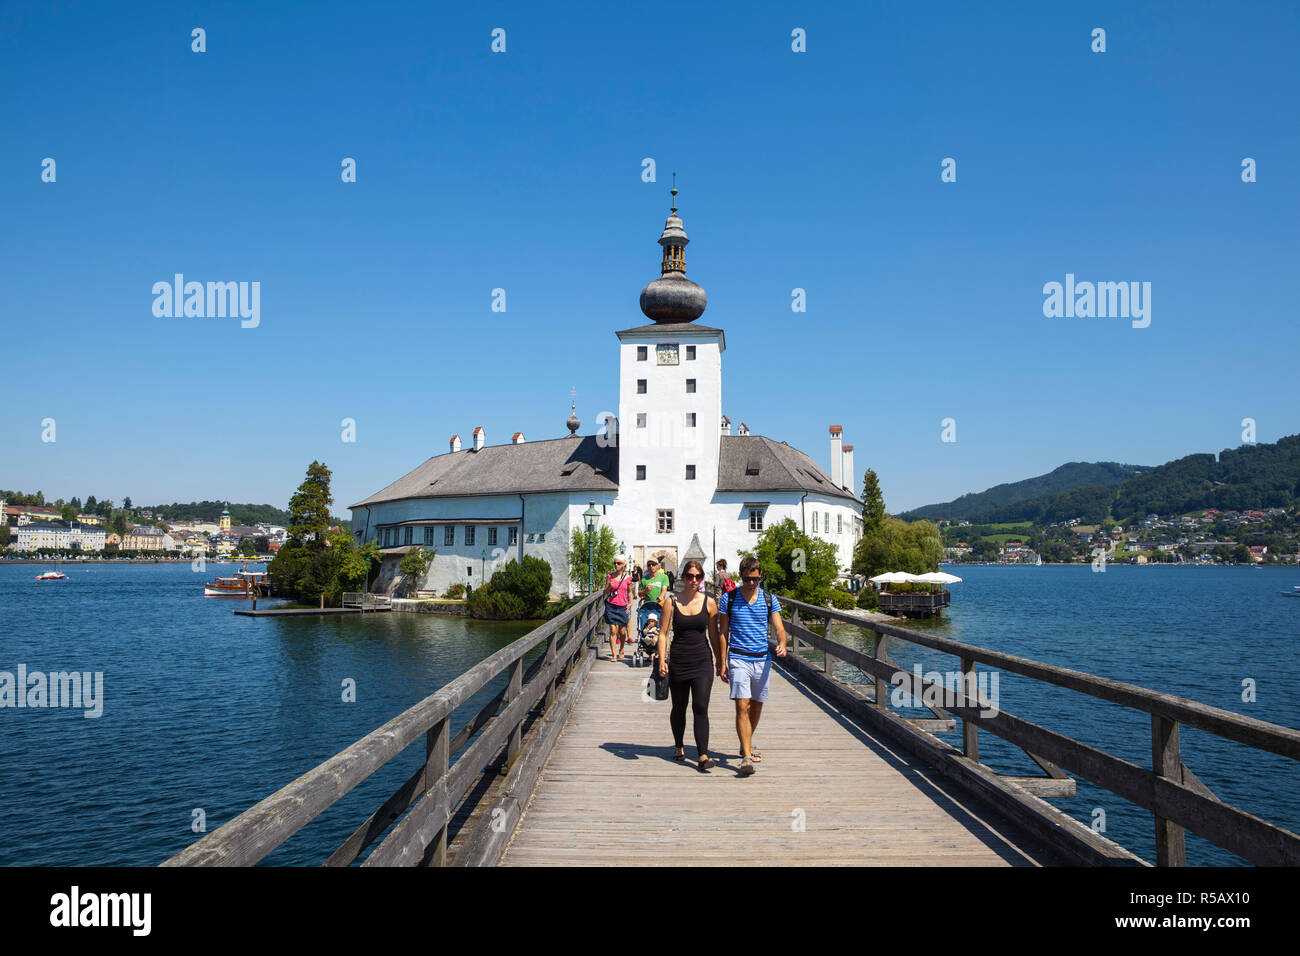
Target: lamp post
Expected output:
[590,516]
[482,567]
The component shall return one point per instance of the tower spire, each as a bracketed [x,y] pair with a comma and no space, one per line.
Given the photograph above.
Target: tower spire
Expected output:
[674,192]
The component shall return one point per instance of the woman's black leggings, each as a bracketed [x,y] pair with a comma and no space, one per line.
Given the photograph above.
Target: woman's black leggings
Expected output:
[699,689]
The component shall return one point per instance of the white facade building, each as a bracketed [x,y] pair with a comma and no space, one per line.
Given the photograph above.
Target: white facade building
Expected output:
[56,534]
[666,470]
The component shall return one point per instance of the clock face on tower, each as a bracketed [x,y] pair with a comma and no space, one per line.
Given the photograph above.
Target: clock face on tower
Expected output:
[666,353]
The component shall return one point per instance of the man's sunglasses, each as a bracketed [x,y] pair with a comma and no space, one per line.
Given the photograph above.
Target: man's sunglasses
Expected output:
[754,580]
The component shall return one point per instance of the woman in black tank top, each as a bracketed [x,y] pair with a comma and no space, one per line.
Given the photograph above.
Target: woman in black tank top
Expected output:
[693,623]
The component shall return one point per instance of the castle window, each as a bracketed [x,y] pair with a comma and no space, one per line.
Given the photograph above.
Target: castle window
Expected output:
[541,536]
[640,472]
[469,534]
[755,519]
[839,524]
[690,353]
[690,419]
[640,419]
[665,521]
[492,537]
[449,535]
[690,385]
[428,534]
[640,386]
[690,472]
[514,536]
[642,353]
[814,531]
[407,534]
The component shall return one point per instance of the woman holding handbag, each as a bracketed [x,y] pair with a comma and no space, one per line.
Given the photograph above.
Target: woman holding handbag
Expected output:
[617,597]
[696,644]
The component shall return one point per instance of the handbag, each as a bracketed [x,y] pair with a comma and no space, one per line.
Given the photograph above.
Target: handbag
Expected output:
[660,683]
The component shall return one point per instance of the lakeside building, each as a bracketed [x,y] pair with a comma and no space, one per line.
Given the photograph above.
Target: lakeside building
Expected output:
[665,472]
[57,534]
[26,514]
[146,538]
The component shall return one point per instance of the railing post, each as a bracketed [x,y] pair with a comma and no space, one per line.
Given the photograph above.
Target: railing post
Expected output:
[970,731]
[878,652]
[551,643]
[830,659]
[438,750]
[798,644]
[1166,761]
[513,690]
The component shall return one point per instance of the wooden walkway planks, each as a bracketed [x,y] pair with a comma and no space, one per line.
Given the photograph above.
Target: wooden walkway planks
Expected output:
[611,794]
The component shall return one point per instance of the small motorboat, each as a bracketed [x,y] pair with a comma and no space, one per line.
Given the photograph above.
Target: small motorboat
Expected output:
[52,576]
[245,584]
[1292,593]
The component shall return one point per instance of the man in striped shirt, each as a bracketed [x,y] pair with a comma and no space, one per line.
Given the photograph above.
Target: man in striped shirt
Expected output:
[743,616]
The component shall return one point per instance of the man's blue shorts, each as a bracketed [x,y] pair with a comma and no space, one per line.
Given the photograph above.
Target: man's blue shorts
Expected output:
[749,677]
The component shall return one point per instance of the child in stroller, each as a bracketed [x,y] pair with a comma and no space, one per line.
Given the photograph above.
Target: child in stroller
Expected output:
[647,638]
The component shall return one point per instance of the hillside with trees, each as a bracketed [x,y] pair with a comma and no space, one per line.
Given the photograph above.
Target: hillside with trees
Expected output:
[1250,477]
[1067,478]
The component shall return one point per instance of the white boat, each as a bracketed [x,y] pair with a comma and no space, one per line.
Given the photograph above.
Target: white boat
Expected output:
[52,576]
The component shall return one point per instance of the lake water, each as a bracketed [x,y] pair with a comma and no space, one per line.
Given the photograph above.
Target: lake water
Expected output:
[206,710]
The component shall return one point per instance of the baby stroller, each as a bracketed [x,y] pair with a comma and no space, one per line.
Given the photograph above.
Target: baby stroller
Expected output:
[647,639]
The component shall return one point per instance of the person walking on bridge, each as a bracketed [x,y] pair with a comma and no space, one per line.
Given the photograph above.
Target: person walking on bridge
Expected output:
[688,664]
[745,661]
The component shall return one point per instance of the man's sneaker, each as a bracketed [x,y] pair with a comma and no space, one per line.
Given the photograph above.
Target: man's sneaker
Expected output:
[746,767]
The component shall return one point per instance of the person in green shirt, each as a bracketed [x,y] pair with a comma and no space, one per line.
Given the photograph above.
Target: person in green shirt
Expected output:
[651,592]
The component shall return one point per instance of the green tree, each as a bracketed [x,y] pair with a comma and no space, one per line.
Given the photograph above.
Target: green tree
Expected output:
[796,563]
[126,502]
[246,548]
[68,512]
[897,545]
[309,508]
[873,503]
[414,566]
[605,550]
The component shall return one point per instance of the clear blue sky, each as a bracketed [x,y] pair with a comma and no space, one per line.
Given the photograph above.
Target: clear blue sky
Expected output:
[522,170]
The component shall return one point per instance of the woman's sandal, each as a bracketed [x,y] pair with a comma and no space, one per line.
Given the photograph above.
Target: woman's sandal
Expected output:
[680,756]
[707,764]
[756,756]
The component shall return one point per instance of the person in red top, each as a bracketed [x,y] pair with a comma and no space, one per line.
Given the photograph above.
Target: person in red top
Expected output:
[617,598]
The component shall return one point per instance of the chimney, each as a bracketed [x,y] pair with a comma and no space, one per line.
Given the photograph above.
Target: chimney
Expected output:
[850,476]
[837,458]
[479,437]
[455,443]
[726,425]
[743,429]
[518,438]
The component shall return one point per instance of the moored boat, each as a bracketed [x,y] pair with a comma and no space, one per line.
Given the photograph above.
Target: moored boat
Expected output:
[244,584]
[52,576]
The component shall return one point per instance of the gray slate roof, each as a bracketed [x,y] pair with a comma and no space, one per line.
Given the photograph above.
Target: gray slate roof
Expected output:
[541,466]
[559,464]
[780,468]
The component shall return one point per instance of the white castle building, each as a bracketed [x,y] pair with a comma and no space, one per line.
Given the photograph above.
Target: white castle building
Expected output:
[668,470]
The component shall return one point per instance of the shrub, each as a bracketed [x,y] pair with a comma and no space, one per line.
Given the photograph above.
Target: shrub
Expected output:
[517,590]
[455,592]
[842,599]
[867,598]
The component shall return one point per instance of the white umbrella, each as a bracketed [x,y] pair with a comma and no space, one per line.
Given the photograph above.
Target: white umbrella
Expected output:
[893,577]
[938,577]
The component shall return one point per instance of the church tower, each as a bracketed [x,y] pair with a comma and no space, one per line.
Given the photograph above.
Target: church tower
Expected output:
[225,518]
[670,404]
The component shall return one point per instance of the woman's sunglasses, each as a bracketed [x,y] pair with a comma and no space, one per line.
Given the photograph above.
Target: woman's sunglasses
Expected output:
[693,577]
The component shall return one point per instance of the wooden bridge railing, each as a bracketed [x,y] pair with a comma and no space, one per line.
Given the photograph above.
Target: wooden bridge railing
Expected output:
[432,796]
[1177,800]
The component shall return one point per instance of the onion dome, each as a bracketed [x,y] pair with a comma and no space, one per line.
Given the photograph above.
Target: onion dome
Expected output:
[573,423]
[673,297]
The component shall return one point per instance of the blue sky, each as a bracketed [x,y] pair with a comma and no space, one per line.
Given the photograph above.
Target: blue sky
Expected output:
[817,170]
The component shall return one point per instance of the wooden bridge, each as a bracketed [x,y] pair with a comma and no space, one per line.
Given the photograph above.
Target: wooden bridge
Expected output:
[570,763]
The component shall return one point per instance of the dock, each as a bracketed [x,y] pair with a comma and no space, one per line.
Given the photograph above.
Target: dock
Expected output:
[569,762]
[306,611]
